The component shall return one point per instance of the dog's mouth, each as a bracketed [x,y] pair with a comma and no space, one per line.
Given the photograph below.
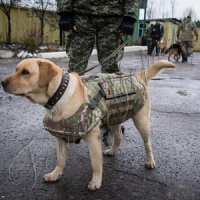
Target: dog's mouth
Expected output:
[12,92]
[21,95]
[26,96]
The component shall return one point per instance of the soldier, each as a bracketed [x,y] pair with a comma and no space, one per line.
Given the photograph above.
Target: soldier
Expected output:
[187,27]
[156,35]
[90,21]
[147,36]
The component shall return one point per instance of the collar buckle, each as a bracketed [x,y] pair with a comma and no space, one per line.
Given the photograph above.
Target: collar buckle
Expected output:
[48,106]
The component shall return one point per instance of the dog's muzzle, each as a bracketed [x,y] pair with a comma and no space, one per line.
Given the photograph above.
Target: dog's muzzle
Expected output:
[4,83]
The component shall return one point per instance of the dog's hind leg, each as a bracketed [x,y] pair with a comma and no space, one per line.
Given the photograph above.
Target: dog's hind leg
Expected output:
[61,148]
[117,132]
[94,144]
[169,55]
[178,57]
[175,58]
[142,122]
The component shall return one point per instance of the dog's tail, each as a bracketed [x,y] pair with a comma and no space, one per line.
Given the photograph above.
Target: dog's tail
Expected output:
[154,69]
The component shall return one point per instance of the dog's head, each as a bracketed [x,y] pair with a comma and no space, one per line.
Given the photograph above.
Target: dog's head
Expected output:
[32,79]
[162,45]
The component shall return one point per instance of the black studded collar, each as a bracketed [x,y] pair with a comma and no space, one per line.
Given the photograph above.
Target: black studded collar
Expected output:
[59,92]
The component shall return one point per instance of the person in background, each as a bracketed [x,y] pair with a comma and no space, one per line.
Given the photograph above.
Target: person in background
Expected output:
[147,36]
[156,35]
[186,29]
[101,23]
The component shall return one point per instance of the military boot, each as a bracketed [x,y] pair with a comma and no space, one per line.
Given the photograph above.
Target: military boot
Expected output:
[183,57]
[186,56]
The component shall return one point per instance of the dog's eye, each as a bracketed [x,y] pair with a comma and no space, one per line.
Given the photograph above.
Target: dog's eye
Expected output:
[25,72]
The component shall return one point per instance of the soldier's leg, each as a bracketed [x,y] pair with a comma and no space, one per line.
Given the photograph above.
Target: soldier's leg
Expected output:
[183,49]
[148,45]
[107,41]
[190,47]
[80,44]
[157,48]
[153,44]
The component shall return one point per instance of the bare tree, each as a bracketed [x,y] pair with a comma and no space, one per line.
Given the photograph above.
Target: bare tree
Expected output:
[151,9]
[173,7]
[41,8]
[162,9]
[6,6]
[165,14]
[189,12]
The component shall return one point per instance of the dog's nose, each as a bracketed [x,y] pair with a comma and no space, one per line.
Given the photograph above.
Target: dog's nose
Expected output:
[4,82]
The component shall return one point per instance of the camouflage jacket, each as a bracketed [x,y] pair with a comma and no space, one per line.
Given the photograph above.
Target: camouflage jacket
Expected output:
[99,8]
[186,29]
[147,33]
[113,99]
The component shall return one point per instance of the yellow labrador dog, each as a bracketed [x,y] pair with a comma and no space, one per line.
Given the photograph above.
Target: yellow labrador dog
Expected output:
[63,94]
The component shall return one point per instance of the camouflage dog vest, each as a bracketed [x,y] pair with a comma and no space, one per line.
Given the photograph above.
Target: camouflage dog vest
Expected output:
[114,98]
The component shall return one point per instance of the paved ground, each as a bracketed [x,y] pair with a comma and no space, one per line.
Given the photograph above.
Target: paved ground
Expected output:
[28,151]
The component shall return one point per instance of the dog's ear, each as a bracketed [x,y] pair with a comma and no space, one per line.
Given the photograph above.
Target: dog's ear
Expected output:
[47,72]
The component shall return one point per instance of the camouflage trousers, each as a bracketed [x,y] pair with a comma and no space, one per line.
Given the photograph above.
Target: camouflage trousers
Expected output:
[149,42]
[187,46]
[100,31]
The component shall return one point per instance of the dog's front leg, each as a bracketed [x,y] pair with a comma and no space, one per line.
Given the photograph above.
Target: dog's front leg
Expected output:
[94,144]
[61,148]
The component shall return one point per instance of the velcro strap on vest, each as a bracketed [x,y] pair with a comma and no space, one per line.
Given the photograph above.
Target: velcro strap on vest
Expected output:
[94,102]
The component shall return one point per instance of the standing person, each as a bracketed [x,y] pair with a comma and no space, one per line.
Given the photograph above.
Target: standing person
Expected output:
[103,22]
[156,35]
[147,36]
[186,28]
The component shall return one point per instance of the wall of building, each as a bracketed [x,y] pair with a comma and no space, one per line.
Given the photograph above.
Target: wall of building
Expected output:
[23,25]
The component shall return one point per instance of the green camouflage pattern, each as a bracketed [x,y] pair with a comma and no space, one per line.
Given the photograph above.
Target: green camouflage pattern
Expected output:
[147,36]
[187,46]
[147,33]
[97,22]
[100,8]
[75,127]
[186,29]
[123,96]
[80,43]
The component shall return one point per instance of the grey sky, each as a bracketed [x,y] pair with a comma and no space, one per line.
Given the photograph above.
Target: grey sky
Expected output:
[180,7]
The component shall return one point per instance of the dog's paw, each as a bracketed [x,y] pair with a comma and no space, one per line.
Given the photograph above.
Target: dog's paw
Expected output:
[94,185]
[150,164]
[53,176]
[108,153]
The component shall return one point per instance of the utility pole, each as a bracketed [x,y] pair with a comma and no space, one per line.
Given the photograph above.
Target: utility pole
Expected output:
[137,24]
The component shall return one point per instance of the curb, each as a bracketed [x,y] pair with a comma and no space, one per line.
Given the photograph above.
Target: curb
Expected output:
[94,52]
[61,54]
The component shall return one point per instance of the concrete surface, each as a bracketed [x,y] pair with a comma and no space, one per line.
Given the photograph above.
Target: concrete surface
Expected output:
[28,151]
[6,54]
